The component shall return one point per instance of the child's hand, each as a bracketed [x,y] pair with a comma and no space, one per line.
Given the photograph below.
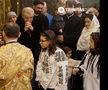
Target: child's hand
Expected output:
[61,31]
[39,84]
[60,38]
[69,77]
[75,70]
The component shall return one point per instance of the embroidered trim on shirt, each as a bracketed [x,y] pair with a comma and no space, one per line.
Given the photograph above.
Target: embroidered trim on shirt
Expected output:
[66,76]
[63,57]
[60,75]
[45,67]
[57,56]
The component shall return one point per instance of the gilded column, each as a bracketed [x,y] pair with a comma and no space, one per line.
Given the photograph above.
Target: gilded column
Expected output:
[18,7]
[1,12]
[5,7]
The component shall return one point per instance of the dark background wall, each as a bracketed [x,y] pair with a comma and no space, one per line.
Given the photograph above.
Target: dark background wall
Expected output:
[50,4]
[29,3]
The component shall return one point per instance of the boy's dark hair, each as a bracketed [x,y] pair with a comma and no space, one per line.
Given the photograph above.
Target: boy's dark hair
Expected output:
[78,5]
[66,49]
[71,3]
[50,35]
[11,30]
[36,2]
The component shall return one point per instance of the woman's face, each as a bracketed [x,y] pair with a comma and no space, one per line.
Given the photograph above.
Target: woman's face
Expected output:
[91,43]
[87,23]
[44,43]
[13,19]
[69,54]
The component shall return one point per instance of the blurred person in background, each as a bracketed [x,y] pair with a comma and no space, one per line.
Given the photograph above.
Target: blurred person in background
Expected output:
[49,16]
[12,17]
[80,13]
[38,6]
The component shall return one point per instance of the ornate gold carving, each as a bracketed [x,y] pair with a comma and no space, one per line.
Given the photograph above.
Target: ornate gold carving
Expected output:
[5,7]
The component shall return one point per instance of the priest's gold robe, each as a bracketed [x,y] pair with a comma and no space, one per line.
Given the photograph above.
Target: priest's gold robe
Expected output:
[16,67]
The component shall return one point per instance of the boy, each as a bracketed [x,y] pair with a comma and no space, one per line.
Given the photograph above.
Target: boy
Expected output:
[57,22]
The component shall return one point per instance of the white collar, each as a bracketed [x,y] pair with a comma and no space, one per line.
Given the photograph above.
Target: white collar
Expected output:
[70,15]
[11,41]
[36,14]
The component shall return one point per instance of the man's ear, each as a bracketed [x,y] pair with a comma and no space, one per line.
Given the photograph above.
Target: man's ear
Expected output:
[21,14]
[33,6]
[19,35]
[46,8]
[3,33]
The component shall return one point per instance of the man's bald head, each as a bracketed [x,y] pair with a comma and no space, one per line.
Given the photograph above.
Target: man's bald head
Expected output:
[27,14]
[28,10]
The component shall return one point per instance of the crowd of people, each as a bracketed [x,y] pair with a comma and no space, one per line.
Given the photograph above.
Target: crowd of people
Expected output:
[44,52]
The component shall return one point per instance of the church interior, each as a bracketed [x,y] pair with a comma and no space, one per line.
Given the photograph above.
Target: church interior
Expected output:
[79,31]
[17,5]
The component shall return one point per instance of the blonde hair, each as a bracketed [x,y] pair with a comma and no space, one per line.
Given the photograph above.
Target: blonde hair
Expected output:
[61,2]
[56,6]
[93,10]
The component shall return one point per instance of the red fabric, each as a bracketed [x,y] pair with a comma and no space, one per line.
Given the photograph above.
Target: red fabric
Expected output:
[96,38]
[97,49]
[29,32]
[19,74]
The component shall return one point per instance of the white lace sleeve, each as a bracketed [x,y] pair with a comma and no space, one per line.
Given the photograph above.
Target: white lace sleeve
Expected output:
[39,68]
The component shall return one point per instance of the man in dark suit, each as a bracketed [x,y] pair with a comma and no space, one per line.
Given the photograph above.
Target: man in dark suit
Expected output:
[72,29]
[30,31]
[38,7]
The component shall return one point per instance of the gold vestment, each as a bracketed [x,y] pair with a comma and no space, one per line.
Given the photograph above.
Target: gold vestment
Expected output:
[16,67]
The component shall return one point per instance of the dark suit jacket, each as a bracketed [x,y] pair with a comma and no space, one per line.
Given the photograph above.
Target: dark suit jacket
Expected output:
[72,30]
[33,41]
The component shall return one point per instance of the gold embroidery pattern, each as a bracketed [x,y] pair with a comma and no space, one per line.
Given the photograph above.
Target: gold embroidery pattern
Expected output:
[16,70]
